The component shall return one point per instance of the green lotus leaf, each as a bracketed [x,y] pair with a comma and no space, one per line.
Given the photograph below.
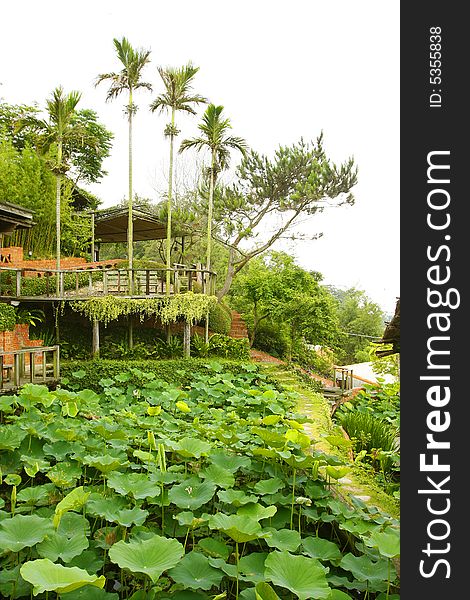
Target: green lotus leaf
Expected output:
[192,447]
[215,548]
[339,595]
[88,560]
[336,472]
[12,585]
[151,556]
[239,527]
[89,593]
[12,479]
[387,542]
[62,546]
[11,437]
[219,563]
[60,449]
[23,532]
[32,394]
[180,595]
[191,493]
[195,572]
[45,576]
[269,486]
[365,569]
[257,511]
[235,498]
[283,539]
[36,496]
[230,462]
[74,500]
[218,475]
[131,516]
[270,437]
[104,464]
[322,549]
[64,474]
[384,596]
[133,484]
[263,591]
[305,577]
[251,566]
[107,508]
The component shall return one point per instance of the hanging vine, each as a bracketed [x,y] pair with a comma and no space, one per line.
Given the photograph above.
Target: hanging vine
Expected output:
[189,306]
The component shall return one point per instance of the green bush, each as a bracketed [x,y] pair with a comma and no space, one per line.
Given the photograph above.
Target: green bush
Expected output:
[220,319]
[271,339]
[223,345]
[7,317]
[88,373]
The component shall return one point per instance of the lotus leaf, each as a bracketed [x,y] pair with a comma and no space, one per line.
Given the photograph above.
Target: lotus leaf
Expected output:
[195,572]
[215,548]
[151,556]
[23,532]
[192,447]
[36,496]
[11,437]
[62,546]
[387,542]
[252,566]
[104,464]
[191,493]
[107,508]
[257,511]
[283,539]
[235,497]
[339,595]
[240,528]
[88,560]
[89,593]
[317,547]
[218,475]
[12,585]
[263,591]
[364,569]
[64,474]
[72,501]
[303,576]
[269,486]
[46,576]
[135,484]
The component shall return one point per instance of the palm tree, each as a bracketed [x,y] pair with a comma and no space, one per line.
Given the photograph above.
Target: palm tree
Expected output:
[55,136]
[128,79]
[177,96]
[215,137]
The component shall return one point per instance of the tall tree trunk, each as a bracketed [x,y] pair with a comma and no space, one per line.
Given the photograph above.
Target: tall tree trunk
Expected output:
[130,223]
[229,275]
[57,215]
[170,192]
[209,213]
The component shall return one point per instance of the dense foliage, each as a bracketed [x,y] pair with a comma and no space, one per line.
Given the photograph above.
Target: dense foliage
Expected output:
[7,317]
[145,491]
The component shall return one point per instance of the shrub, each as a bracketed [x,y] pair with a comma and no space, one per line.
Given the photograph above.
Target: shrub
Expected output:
[223,345]
[88,373]
[220,320]
[271,339]
[7,317]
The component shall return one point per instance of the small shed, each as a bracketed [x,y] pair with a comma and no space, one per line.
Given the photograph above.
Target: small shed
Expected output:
[14,217]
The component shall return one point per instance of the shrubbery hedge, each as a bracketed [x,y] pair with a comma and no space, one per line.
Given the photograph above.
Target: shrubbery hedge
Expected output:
[179,372]
[220,319]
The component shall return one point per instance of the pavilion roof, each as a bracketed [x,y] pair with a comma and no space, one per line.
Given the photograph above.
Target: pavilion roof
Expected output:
[111,225]
[14,217]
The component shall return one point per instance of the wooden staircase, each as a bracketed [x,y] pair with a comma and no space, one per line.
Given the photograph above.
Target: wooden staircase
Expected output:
[238,328]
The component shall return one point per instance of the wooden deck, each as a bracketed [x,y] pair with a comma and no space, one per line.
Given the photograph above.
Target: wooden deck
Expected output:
[83,283]
[38,364]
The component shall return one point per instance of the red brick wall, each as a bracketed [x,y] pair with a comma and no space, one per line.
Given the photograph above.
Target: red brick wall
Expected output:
[16,340]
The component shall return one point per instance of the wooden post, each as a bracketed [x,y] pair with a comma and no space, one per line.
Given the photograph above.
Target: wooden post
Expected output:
[56,361]
[18,284]
[96,339]
[131,332]
[187,340]
[93,236]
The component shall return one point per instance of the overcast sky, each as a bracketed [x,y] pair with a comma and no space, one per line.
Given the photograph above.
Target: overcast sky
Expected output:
[282,70]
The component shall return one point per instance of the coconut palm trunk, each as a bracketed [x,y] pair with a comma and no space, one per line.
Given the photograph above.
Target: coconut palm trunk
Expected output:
[57,218]
[130,223]
[169,204]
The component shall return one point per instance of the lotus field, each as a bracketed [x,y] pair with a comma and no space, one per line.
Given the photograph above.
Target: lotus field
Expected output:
[152,491]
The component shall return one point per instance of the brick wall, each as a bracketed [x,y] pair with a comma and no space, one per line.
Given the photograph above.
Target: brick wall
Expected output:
[16,340]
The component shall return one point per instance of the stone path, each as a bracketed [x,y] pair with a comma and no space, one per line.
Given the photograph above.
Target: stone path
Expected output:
[315,406]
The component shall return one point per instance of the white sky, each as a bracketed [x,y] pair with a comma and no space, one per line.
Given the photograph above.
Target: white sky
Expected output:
[282,70]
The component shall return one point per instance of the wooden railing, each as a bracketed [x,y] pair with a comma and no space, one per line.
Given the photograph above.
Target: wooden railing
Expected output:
[38,364]
[81,283]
